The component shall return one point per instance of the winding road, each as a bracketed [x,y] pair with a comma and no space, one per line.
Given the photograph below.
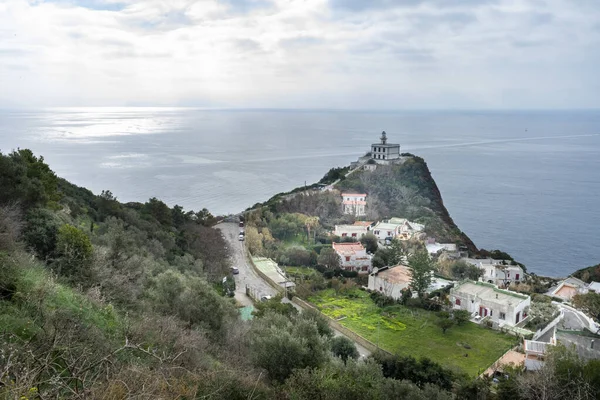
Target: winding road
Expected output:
[249,277]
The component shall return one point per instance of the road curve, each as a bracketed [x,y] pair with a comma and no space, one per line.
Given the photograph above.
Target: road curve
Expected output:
[249,277]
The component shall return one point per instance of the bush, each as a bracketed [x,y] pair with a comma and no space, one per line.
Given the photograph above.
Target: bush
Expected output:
[344,348]
[74,250]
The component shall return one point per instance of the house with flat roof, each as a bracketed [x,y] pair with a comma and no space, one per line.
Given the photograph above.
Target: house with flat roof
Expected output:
[498,272]
[503,307]
[392,228]
[354,204]
[353,231]
[390,281]
[353,257]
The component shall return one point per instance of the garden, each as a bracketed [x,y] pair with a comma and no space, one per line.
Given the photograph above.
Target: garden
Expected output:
[413,331]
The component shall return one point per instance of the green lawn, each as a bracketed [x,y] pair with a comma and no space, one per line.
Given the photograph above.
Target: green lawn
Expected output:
[306,271]
[408,331]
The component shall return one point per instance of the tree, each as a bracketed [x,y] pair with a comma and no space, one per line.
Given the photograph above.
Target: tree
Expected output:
[461,316]
[280,345]
[10,226]
[370,242]
[41,231]
[329,258]
[381,258]
[26,179]
[344,348]
[75,253]
[464,270]
[589,303]
[397,252]
[422,271]
[159,211]
[253,241]
[445,323]
[310,222]
[274,305]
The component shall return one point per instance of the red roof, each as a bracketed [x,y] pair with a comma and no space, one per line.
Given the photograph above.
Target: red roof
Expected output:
[348,248]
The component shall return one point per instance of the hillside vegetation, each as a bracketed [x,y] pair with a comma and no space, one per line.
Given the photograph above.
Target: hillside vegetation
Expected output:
[100,299]
[104,300]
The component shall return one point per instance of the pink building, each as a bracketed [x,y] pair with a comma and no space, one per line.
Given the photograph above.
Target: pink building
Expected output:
[353,257]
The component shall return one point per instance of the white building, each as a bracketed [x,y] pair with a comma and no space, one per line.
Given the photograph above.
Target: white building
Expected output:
[384,152]
[390,281]
[353,257]
[504,307]
[535,354]
[354,204]
[494,271]
[435,248]
[357,230]
[400,228]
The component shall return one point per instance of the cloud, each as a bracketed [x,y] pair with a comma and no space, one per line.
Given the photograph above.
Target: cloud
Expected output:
[300,53]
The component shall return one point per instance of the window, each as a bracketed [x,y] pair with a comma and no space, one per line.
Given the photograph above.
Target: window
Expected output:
[491,312]
[383,157]
[457,302]
[517,277]
[389,233]
[502,315]
[347,258]
[376,232]
[365,268]
[354,235]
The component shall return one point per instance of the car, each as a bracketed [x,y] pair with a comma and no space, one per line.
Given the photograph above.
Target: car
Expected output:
[241,224]
[235,270]
[241,237]
[266,298]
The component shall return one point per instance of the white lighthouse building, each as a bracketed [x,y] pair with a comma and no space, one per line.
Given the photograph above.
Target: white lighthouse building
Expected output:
[384,152]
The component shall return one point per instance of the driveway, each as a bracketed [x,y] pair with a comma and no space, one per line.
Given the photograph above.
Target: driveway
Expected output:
[249,277]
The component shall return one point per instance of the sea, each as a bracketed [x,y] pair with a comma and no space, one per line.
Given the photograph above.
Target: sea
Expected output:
[525,182]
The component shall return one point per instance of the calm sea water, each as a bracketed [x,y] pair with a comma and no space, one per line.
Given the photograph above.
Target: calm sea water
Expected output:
[524,182]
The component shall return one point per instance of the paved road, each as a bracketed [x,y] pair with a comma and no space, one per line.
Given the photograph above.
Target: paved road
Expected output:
[248,276]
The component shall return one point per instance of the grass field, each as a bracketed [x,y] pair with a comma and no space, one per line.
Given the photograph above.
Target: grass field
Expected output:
[409,331]
[306,271]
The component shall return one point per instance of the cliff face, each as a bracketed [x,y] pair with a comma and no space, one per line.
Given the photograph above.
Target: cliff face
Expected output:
[407,190]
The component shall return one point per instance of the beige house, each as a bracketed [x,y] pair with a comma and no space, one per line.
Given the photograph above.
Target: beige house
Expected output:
[390,281]
[503,307]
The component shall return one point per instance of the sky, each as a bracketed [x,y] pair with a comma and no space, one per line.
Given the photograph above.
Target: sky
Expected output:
[340,54]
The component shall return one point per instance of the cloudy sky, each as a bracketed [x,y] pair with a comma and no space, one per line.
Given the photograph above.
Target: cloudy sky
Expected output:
[369,54]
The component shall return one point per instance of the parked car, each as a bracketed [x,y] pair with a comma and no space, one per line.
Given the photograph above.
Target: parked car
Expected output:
[241,237]
[266,298]
[241,224]
[235,270]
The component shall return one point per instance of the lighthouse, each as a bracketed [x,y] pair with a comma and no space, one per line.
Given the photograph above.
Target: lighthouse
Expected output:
[384,152]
